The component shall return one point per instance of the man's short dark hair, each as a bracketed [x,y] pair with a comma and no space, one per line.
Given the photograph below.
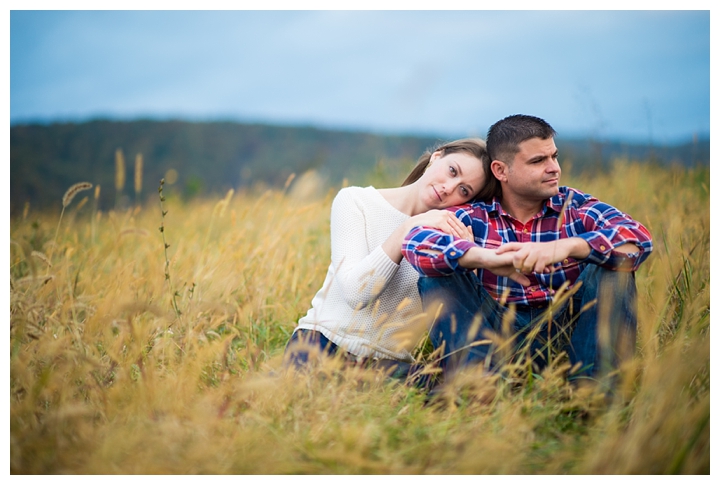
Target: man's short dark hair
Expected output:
[504,136]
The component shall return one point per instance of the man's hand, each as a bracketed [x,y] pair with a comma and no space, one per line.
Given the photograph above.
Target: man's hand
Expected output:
[491,260]
[538,257]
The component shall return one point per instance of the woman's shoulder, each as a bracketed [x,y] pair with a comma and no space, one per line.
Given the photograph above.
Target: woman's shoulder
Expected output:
[354,193]
[355,190]
[368,201]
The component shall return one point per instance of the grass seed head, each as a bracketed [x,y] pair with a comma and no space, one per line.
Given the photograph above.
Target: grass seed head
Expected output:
[119,170]
[73,190]
[138,172]
[41,257]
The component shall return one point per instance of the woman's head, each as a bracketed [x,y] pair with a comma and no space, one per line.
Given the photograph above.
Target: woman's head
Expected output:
[456,171]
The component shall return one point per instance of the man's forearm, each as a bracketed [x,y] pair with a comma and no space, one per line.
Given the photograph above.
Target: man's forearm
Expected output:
[578,248]
[490,260]
[473,258]
[628,248]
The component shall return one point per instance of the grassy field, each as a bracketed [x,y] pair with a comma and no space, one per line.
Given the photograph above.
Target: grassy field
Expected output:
[129,357]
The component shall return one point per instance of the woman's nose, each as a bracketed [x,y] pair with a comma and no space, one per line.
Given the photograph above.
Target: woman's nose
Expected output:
[450,186]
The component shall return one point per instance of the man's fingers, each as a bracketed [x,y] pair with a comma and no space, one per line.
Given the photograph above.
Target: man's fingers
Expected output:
[506,248]
[520,262]
[541,268]
[520,278]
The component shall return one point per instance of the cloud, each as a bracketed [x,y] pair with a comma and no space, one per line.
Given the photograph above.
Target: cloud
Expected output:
[444,72]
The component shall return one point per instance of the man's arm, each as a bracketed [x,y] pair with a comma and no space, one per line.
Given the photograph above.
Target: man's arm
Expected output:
[616,240]
[493,261]
[538,257]
[610,238]
[433,253]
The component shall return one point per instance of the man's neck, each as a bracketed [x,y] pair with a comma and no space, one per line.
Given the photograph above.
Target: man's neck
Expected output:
[522,210]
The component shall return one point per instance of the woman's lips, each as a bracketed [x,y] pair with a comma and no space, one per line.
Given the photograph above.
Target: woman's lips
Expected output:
[436,193]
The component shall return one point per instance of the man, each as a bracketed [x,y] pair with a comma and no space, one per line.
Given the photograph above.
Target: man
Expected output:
[531,239]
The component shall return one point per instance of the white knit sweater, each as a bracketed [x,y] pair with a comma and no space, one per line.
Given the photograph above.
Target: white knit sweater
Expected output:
[367,301]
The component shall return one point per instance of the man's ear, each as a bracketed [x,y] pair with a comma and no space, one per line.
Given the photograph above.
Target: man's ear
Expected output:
[499,170]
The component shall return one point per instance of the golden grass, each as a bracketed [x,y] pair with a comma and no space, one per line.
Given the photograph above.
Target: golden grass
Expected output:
[107,378]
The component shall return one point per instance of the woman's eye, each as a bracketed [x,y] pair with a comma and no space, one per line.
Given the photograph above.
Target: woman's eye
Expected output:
[453,171]
[464,191]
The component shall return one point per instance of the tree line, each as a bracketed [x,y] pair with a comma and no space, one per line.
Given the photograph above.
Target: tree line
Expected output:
[211,157]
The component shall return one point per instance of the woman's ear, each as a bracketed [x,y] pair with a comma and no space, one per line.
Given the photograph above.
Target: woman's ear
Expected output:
[499,170]
[435,155]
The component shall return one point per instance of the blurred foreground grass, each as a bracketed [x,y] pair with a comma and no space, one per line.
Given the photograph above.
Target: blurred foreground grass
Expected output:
[115,369]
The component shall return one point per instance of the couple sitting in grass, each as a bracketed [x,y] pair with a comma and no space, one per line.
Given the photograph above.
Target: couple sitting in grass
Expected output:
[481,240]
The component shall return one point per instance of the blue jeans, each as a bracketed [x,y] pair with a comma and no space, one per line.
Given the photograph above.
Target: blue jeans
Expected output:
[597,326]
[303,343]
[305,346]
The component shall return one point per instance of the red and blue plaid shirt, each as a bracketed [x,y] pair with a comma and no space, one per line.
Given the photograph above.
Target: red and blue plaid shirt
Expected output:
[434,253]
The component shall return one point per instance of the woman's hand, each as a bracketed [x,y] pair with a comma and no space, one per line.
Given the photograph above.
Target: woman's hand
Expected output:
[444,221]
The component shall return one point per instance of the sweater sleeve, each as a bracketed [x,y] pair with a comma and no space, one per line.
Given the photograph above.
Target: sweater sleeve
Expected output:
[361,272]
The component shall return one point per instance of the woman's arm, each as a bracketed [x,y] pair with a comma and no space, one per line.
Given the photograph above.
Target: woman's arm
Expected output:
[361,272]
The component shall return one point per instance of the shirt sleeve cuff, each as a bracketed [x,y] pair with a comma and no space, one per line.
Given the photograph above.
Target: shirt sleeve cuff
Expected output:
[456,250]
[602,254]
[600,247]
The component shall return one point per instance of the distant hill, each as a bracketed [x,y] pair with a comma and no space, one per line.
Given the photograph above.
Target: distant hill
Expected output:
[212,157]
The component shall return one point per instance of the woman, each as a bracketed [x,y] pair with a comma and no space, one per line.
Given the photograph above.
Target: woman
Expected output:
[370,294]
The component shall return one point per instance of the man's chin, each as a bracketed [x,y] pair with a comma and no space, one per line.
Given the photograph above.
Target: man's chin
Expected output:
[550,192]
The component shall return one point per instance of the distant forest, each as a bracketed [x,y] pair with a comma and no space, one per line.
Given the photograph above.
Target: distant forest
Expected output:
[212,157]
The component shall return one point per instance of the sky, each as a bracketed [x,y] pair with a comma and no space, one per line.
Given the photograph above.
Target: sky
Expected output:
[635,75]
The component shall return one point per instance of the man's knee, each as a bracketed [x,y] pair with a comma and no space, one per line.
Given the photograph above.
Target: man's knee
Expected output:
[606,327]
[604,280]
[454,283]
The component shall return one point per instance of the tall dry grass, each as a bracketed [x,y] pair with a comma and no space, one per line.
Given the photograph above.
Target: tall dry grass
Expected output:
[106,377]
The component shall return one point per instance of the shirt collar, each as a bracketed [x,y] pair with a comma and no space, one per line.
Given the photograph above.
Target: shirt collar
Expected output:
[557,201]
[554,203]
[493,206]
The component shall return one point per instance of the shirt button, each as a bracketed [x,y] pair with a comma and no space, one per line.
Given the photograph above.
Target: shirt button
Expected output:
[566,261]
[452,253]
[602,248]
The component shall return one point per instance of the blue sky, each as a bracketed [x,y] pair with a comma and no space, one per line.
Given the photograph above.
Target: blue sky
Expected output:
[633,75]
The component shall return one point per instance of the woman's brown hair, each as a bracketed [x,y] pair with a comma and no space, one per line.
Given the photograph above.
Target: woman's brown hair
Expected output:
[474,147]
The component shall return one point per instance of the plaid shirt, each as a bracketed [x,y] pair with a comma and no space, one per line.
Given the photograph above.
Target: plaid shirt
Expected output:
[570,213]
